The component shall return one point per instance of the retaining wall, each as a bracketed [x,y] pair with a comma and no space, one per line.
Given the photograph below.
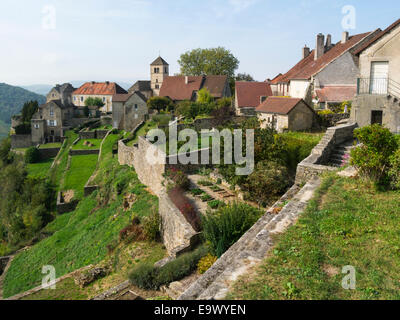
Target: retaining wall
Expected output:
[21,141]
[315,163]
[83,152]
[63,207]
[48,153]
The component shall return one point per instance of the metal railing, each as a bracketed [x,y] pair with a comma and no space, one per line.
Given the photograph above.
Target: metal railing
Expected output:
[380,86]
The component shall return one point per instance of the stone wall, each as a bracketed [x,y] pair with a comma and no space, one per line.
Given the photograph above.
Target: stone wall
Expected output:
[330,120]
[82,152]
[48,153]
[178,235]
[21,141]
[315,163]
[65,207]
[87,134]
[3,264]
[252,247]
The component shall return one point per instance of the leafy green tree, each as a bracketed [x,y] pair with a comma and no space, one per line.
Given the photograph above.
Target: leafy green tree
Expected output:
[28,110]
[213,61]
[244,77]
[160,103]
[94,102]
[32,155]
[204,96]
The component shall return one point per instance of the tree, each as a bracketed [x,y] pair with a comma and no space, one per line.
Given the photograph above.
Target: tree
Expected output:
[159,103]
[244,77]
[94,102]
[204,96]
[213,61]
[28,110]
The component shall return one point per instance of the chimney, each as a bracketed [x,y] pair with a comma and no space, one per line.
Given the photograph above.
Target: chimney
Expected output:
[320,46]
[186,80]
[93,82]
[306,51]
[107,82]
[345,36]
[328,44]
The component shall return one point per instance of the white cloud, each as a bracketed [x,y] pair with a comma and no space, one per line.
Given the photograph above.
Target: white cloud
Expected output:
[240,5]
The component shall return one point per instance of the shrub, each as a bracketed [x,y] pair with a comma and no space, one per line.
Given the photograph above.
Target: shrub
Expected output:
[148,277]
[23,128]
[268,181]
[151,226]
[215,204]
[372,158]
[205,263]
[394,172]
[206,198]
[204,96]
[197,192]
[132,232]
[179,178]
[185,207]
[32,155]
[224,227]
[162,119]
[159,103]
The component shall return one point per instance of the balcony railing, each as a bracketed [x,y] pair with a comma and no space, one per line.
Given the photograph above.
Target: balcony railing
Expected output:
[380,86]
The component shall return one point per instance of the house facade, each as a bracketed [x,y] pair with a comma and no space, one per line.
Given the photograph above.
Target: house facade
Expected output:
[283,114]
[129,110]
[378,85]
[326,75]
[103,90]
[249,95]
[49,123]
[61,92]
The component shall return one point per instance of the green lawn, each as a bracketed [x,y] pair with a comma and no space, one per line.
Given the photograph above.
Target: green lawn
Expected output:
[80,237]
[80,145]
[348,223]
[50,145]
[40,169]
[81,168]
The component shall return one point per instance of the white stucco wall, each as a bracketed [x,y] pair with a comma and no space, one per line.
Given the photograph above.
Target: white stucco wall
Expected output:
[298,88]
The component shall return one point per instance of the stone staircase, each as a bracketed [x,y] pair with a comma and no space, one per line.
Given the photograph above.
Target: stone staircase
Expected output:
[341,154]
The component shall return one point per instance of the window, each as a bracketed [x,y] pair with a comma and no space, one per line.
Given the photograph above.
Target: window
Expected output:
[81,99]
[104,99]
[74,98]
[157,86]
[36,126]
[51,111]
[156,70]
[156,80]
[52,123]
[136,107]
[166,70]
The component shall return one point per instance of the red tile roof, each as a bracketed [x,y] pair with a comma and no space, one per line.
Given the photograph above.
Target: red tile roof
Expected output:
[336,93]
[176,88]
[100,88]
[278,105]
[248,93]
[377,37]
[307,67]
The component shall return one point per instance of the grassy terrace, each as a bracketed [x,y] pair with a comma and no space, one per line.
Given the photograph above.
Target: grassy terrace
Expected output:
[50,145]
[347,223]
[80,145]
[40,169]
[81,237]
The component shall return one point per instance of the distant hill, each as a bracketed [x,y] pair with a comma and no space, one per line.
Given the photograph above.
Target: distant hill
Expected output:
[12,100]
[42,89]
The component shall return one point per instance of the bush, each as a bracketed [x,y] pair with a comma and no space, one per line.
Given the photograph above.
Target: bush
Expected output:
[224,227]
[215,204]
[179,178]
[23,128]
[32,155]
[151,226]
[206,263]
[394,172]
[148,277]
[197,192]
[372,158]
[160,103]
[206,198]
[268,181]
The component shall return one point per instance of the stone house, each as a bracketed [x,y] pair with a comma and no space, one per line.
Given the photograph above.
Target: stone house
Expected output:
[103,90]
[50,122]
[180,88]
[129,110]
[249,95]
[378,85]
[62,93]
[326,75]
[281,113]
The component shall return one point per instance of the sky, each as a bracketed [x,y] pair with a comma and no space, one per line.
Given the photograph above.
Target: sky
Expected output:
[56,41]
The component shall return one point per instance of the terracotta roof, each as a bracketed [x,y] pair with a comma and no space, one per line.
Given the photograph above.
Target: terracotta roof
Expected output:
[278,105]
[275,79]
[307,67]
[125,97]
[159,62]
[100,88]
[248,93]
[216,85]
[378,36]
[336,93]
[176,88]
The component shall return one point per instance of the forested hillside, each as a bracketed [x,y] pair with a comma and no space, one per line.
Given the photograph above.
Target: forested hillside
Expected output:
[12,99]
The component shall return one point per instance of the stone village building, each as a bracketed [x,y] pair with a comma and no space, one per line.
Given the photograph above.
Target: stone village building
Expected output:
[283,114]
[378,85]
[326,75]
[249,95]
[129,110]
